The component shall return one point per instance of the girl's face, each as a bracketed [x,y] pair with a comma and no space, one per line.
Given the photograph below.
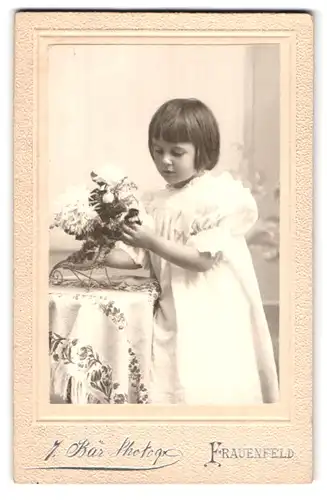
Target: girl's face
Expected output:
[174,161]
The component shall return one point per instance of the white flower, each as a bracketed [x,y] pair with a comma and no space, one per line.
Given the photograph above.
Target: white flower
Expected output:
[111,174]
[108,197]
[124,192]
[73,199]
[73,212]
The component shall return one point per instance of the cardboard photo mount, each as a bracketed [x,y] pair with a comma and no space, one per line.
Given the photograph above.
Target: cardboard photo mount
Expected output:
[140,443]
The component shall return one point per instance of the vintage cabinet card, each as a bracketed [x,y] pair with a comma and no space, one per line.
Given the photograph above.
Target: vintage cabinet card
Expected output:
[162,317]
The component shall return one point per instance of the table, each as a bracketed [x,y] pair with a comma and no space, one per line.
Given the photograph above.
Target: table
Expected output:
[100,341]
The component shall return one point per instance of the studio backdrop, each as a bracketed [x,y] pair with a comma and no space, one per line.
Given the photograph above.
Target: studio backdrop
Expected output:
[101,100]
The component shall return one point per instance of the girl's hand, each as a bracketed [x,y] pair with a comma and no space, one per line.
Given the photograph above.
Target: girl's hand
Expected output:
[138,235]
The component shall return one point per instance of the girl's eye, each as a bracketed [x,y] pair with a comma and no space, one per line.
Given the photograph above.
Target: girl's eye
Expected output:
[177,153]
[158,151]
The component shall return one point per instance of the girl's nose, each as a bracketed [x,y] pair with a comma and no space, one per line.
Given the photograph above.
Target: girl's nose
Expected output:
[167,161]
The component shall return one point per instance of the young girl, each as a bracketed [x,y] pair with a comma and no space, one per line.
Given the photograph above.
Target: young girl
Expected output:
[211,343]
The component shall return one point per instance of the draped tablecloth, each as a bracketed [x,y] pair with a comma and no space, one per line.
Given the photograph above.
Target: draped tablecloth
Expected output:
[100,341]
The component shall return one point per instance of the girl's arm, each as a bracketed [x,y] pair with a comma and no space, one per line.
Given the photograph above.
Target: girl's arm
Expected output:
[180,255]
[116,258]
[120,260]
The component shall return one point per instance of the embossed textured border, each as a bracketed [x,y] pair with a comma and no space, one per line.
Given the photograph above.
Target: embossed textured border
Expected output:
[287,426]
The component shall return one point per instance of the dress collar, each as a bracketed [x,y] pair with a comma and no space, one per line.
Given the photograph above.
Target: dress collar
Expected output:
[189,183]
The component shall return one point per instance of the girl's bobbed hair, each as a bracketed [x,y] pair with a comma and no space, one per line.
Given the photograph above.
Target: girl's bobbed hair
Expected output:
[188,120]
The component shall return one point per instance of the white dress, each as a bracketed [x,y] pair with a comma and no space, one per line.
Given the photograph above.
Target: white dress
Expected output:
[211,343]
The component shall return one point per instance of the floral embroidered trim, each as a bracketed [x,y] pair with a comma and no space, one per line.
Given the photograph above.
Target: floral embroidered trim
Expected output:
[108,307]
[120,283]
[135,376]
[99,375]
[111,310]
[150,287]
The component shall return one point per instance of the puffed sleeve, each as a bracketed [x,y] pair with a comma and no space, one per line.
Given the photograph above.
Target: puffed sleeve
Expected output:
[229,212]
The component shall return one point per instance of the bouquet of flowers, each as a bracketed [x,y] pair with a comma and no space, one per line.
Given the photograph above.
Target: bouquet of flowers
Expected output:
[95,217]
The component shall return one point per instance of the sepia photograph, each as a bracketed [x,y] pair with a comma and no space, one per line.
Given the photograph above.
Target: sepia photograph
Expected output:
[163,191]
[162,238]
